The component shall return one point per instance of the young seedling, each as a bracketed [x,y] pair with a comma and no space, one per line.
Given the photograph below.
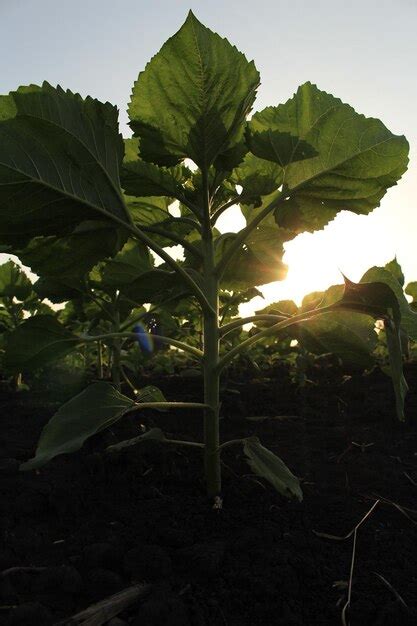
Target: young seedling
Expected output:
[291,168]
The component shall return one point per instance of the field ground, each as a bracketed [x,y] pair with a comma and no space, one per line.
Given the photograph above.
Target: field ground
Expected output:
[97,524]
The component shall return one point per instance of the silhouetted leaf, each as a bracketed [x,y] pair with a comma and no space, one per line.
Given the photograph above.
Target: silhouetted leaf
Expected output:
[94,409]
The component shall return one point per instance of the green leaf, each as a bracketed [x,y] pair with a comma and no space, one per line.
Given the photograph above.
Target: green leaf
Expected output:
[60,155]
[150,286]
[75,255]
[39,340]
[375,298]
[132,261]
[395,268]
[350,337]
[154,434]
[357,160]
[13,282]
[383,300]
[94,409]
[411,290]
[267,465]
[149,211]
[267,140]
[143,179]
[150,393]
[158,285]
[256,263]
[154,212]
[59,289]
[257,177]
[396,367]
[286,307]
[193,98]
[408,316]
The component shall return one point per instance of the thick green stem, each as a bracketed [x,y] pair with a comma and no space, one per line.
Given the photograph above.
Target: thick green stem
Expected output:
[211,359]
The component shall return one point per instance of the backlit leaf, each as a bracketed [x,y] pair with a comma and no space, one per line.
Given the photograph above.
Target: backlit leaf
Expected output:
[357,158]
[14,283]
[59,156]
[267,465]
[193,97]
[94,409]
[39,340]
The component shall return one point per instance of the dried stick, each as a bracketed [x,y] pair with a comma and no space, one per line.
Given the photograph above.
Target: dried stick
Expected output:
[394,591]
[353,532]
[101,612]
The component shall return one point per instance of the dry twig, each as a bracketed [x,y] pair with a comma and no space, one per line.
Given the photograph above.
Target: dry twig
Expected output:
[101,612]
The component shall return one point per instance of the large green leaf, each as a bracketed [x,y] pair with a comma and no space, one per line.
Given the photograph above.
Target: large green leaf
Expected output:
[395,269]
[283,307]
[74,255]
[350,337]
[193,97]
[372,297]
[257,177]
[39,340]
[150,286]
[357,158]
[94,409]
[60,157]
[143,179]
[382,300]
[267,465]
[13,282]
[132,261]
[59,289]
[152,214]
[258,262]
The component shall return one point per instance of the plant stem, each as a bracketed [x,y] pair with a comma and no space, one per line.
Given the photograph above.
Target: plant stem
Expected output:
[163,254]
[166,406]
[172,342]
[286,323]
[241,321]
[211,355]
[176,239]
[243,235]
[223,208]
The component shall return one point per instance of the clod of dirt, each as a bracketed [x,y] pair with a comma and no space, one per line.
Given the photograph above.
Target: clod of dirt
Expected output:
[103,555]
[148,563]
[201,561]
[64,579]
[103,582]
[31,502]
[162,610]
[8,594]
[173,537]
[9,466]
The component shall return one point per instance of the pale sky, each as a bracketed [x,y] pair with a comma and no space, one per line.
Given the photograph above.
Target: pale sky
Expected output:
[362,51]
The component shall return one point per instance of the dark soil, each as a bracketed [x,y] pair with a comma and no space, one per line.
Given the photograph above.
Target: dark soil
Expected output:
[99,523]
